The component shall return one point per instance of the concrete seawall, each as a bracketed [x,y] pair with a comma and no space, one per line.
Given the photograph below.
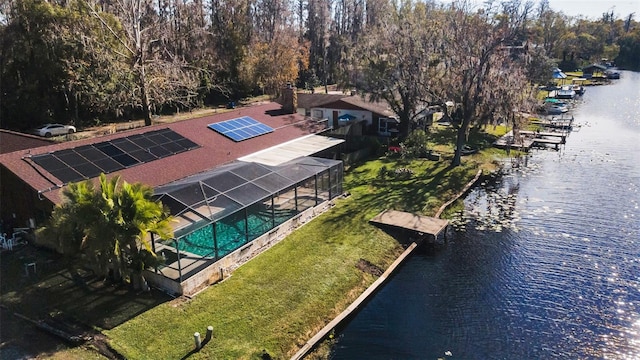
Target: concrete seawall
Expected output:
[322,334]
[371,290]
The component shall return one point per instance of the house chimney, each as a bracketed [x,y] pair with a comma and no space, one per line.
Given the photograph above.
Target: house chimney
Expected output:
[289,99]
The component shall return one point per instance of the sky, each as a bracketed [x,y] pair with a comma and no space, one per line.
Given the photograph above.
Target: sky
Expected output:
[593,9]
[589,9]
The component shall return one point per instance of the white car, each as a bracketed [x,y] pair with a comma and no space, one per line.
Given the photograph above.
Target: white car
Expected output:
[49,130]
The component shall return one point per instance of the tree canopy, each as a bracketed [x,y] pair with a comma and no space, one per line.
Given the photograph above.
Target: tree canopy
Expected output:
[84,62]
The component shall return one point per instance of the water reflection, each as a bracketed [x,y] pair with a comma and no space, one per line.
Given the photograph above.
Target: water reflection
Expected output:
[548,263]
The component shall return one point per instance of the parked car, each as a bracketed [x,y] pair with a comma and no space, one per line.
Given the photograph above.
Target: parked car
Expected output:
[49,130]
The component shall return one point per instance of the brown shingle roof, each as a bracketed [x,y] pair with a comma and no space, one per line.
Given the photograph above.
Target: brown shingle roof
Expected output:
[378,107]
[11,141]
[308,101]
[215,149]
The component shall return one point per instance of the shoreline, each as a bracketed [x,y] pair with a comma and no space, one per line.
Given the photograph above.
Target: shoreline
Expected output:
[355,306]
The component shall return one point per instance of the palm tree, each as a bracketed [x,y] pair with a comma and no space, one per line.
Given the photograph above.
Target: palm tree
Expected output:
[110,227]
[138,217]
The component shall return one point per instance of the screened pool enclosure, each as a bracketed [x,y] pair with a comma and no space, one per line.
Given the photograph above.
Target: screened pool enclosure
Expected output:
[222,210]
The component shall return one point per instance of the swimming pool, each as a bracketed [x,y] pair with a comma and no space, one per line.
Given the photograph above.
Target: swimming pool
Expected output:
[231,233]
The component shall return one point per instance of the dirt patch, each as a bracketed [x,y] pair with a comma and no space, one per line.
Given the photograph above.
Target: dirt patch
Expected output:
[369,268]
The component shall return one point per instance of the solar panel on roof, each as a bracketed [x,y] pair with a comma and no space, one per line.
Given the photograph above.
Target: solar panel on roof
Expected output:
[240,129]
[88,161]
[143,156]
[142,141]
[88,170]
[108,165]
[172,135]
[125,145]
[125,159]
[90,153]
[187,144]
[109,149]
[159,151]
[173,147]
[66,175]
[158,138]
[48,162]
[70,157]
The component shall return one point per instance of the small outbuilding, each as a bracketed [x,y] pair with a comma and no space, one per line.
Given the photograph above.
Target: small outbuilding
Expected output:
[593,70]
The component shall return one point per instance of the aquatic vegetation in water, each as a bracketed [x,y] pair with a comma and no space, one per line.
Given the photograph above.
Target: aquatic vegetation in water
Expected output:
[491,206]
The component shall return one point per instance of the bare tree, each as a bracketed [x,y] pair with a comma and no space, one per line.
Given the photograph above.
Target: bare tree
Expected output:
[318,26]
[478,72]
[398,59]
[162,76]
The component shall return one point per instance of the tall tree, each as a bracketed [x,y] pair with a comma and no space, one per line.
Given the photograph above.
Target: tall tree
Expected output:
[232,31]
[398,60]
[161,76]
[318,27]
[547,30]
[31,65]
[477,70]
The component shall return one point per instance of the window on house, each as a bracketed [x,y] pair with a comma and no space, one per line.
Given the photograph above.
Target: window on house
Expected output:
[387,126]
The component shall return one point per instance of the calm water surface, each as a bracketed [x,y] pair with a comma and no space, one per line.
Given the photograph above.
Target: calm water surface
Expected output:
[549,264]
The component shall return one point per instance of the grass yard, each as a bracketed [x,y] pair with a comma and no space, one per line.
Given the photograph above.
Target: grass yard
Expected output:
[275,302]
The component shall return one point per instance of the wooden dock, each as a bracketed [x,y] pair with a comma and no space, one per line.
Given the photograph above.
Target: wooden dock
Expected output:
[418,223]
[553,134]
[545,141]
[544,138]
[564,122]
[509,141]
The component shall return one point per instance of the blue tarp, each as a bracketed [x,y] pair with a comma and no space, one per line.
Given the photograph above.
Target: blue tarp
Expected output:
[558,74]
[346,117]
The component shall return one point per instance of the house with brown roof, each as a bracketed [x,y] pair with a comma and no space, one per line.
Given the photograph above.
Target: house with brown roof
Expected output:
[340,110]
[255,168]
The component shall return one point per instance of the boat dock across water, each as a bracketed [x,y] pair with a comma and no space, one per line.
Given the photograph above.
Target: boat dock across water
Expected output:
[554,132]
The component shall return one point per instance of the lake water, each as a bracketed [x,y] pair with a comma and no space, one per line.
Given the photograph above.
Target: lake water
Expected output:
[549,264]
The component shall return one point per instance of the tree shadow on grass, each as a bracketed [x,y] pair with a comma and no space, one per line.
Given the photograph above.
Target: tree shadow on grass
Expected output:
[49,294]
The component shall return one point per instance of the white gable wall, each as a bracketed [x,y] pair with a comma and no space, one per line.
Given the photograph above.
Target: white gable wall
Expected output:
[326,113]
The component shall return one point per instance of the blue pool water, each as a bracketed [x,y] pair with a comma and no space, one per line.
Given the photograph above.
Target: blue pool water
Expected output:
[230,234]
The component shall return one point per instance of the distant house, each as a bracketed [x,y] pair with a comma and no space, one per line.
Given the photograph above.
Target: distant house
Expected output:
[342,110]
